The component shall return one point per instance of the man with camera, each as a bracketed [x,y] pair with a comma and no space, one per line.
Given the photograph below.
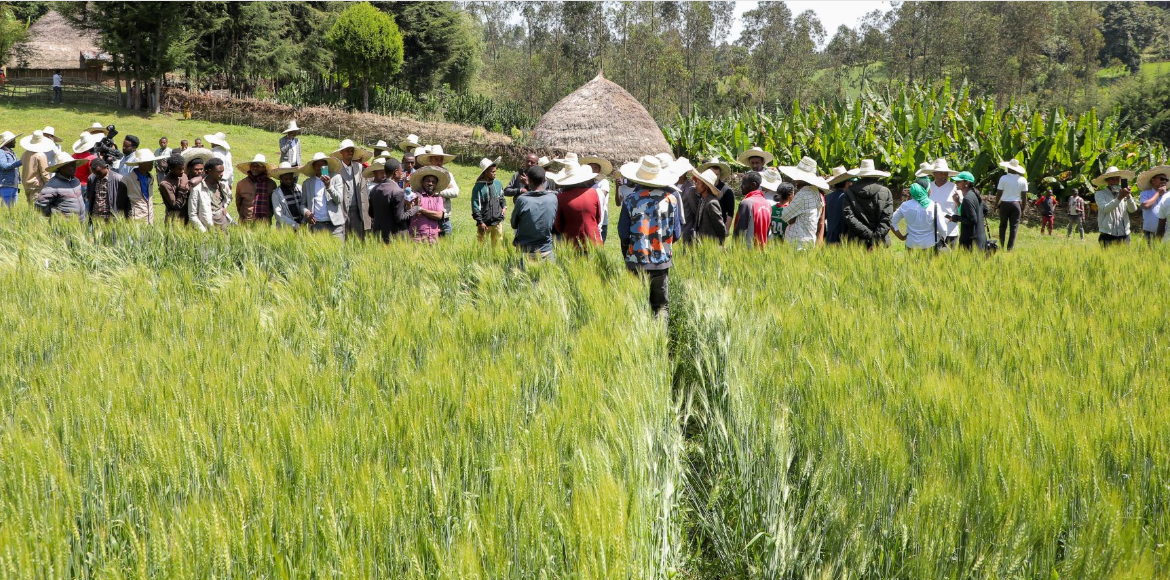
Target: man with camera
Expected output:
[1114,204]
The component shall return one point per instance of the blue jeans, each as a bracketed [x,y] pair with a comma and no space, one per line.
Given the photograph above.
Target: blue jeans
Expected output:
[445,227]
[8,195]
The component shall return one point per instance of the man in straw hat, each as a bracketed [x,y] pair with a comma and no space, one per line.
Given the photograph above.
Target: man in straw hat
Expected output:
[1114,204]
[382,149]
[324,195]
[222,150]
[139,184]
[389,209]
[61,193]
[409,144]
[803,214]
[50,132]
[288,204]
[1011,197]
[1152,184]
[838,181]
[427,182]
[85,150]
[254,191]
[105,194]
[488,203]
[210,194]
[753,221]
[435,157]
[357,196]
[9,165]
[942,191]
[649,224]
[35,164]
[868,210]
[175,189]
[603,168]
[723,191]
[709,222]
[290,147]
[755,158]
[578,216]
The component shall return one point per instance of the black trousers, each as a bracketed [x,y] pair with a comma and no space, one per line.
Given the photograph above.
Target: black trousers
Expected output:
[1108,240]
[659,288]
[1009,218]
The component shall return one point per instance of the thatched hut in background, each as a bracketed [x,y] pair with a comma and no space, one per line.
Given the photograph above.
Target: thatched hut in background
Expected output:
[54,44]
[601,119]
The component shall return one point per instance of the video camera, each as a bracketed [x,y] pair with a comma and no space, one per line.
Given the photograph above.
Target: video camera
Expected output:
[106,148]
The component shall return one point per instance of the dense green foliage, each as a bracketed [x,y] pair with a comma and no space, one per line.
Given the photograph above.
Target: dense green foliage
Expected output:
[901,129]
[367,47]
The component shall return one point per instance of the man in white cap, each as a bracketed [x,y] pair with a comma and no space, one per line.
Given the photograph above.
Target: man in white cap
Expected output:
[1011,197]
[35,164]
[62,192]
[290,146]
[357,196]
[942,191]
[9,165]
[803,214]
[649,225]
[1114,204]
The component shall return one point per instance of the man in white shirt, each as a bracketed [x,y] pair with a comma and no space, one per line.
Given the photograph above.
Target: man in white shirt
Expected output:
[1011,196]
[57,87]
[942,192]
[1152,184]
[602,167]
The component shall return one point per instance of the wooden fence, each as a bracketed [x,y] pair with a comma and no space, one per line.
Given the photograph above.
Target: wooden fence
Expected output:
[73,90]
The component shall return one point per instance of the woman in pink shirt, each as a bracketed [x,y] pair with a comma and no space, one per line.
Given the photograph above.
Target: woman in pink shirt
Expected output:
[427,183]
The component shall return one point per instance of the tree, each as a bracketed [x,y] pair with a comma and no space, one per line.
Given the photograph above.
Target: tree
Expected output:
[367,47]
[12,32]
[1122,28]
[441,44]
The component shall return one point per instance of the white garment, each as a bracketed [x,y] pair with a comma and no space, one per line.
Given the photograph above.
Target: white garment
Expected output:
[199,207]
[125,165]
[314,190]
[1013,186]
[922,223]
[602,188]
[450,193]
[806,207]
[1162,210]
[229,170]
[941,194]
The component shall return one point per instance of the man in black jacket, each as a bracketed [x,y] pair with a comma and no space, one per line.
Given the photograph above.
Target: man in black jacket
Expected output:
[868,209]
[972,210]
[389,210]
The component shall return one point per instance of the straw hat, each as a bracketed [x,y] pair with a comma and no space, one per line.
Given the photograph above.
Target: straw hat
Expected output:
[485,163]
[282,169]
[754,152]
[217,139]
[605,167]
[568,159]
[709,177]
[359,153]
[574,174]
[1113,171]
[770,179]
[443,175]
[839,174]
[333,163]
[143,157]
[715,162]
[410,143]
[433,151]
[1143,178]
[806,171]
[7,137]
[665,159]
[940,166]
[292,126]
[37,143]
[51,133]
[87,142]
[680,167]
[924,169]
[543,162]
[379,164]
[96,128]
[419,152]
[197,153]
[866,169]
[381,148]
[62,162]
[259,158]
[648,171]
[1013,165]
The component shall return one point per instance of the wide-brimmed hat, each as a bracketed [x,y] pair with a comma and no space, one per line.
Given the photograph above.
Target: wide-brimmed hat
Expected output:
[443,175]
[665,159]
[143,157]
[574,174]
[1113,171]
[284,168]
[867,169]
[1013,165]
[924,169]
[217,139]
[1143,178]
[382,147]
[568,159]
[724,170]
[333,163]
[604,165]
[680,167]
[378,164]
[87,142]
[770,179]
[410,143]
[432,152]
[292,126]
[419,152]
[754,152]
[51,133]
[806,171]
[940,166]
[485,163]
[8,137]
[543,161]
[62,162]
[838,175]
[359,153]
[37,143]
[963,176]
[708,176]
[258,158]
[202,153]
[648,171]
[96,128]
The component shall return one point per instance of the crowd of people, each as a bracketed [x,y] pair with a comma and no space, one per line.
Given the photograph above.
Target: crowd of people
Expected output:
[405,190]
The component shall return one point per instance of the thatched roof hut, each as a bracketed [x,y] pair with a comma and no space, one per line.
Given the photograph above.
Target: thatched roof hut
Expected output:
[601,119]
[53,43]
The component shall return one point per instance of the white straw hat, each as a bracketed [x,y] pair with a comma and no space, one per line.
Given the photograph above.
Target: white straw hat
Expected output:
[143,157]
[443,175]
[574,174]
[709,177]
[410,143]
[378,164]
[680,167]
[924,169]
[543,161]
[604,165]
[770,179]
[96,128]
[333,163]
[258,158]
[940,166]
[485,163]
[218,139]
[381,147]
[37,143]
[283,168]
[8,137]
[806,171]
[568,159]
[648,171]
[87,142]
[292,126]
[754,152]
[1013,165]
[51,133]
[62,162]
[197,153]
[839,174]
[359,153]
[1113,171]
[723,168]
[1143,178]
[433,151]
[867,169]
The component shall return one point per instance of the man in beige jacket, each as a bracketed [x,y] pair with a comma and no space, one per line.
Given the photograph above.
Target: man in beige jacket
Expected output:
[34,170]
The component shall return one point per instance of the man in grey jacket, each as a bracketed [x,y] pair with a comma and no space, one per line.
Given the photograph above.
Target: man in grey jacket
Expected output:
[533,216]
[62,194]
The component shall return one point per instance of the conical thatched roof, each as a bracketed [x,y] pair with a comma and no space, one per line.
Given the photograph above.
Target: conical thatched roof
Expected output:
[600,119]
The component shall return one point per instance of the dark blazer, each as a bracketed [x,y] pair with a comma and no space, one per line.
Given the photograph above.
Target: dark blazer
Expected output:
[388,211]
[972,211]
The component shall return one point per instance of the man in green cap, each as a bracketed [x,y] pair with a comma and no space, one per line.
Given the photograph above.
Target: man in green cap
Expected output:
[972,209]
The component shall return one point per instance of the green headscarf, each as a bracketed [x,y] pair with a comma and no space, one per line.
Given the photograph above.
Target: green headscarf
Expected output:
[919,194]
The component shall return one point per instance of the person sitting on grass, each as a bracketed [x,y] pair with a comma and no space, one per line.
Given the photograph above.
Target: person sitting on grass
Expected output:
[534,216]
[427,183]
[488,205]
